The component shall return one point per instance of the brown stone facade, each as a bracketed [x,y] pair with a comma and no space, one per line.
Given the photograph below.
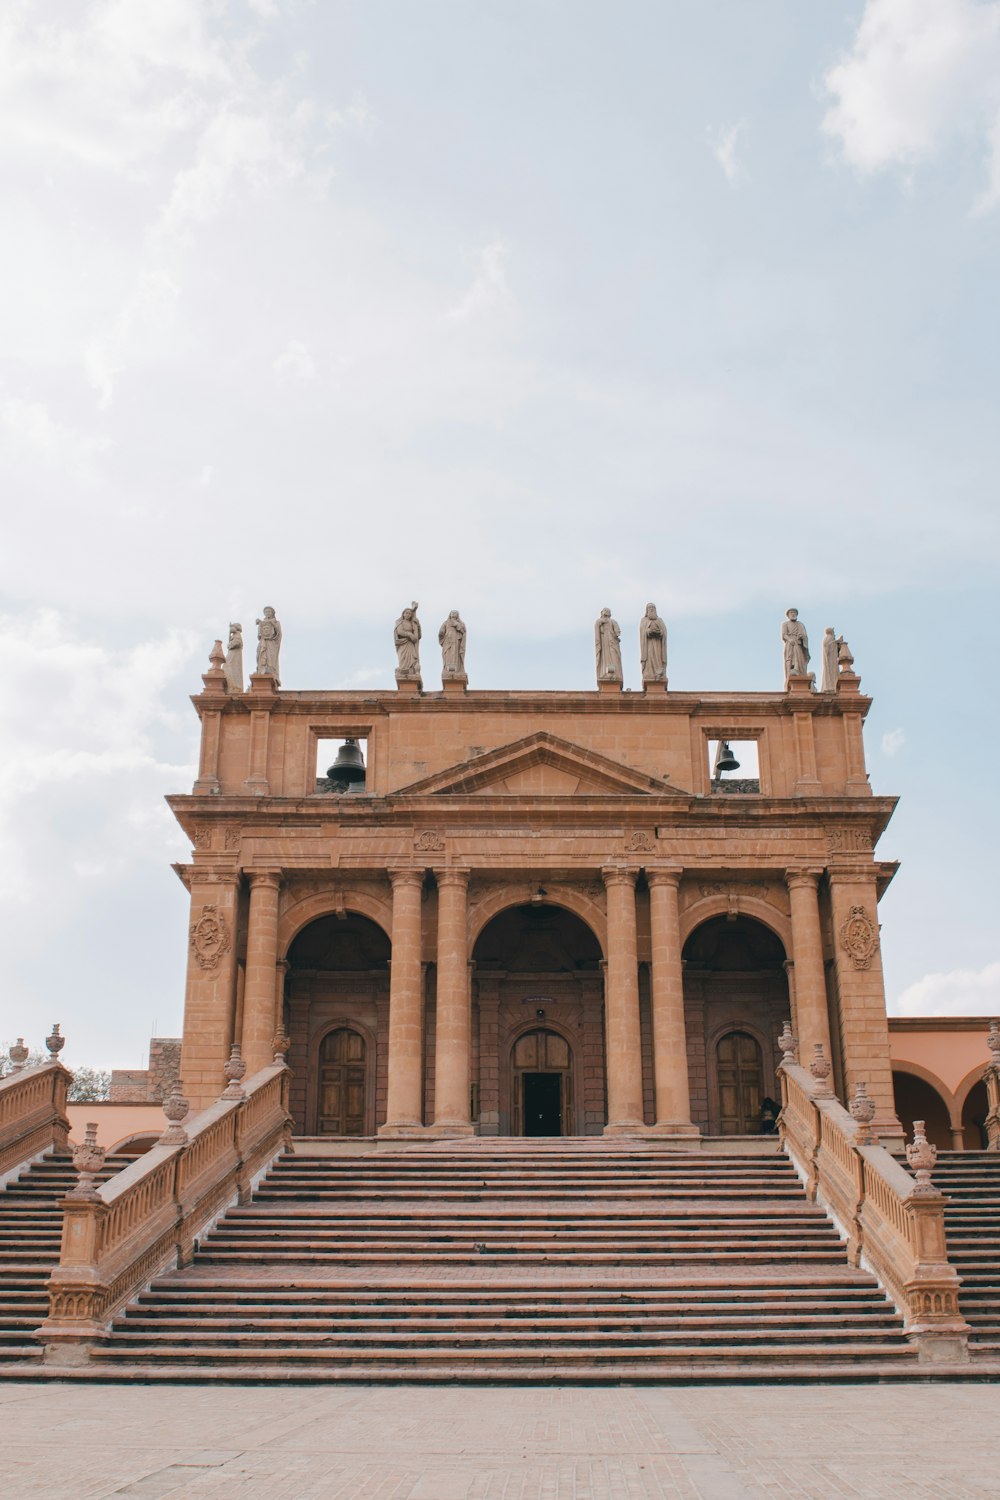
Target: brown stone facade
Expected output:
[537,915]
[152,1084]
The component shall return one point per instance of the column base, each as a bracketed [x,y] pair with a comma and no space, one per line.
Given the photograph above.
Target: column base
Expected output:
[402,1131]
[443,1130]
[626,1127]
[675,1128]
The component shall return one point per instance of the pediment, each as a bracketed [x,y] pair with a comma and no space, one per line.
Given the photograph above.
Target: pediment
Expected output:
[540,765]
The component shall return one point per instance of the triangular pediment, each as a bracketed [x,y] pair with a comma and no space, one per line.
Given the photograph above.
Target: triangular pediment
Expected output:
[540,765]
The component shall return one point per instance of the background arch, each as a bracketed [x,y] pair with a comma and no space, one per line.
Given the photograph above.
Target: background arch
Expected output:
[307,909]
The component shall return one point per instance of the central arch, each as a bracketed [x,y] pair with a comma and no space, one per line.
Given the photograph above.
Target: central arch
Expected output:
[539,1016]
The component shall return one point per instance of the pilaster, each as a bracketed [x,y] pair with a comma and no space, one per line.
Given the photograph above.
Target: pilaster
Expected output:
[210,990]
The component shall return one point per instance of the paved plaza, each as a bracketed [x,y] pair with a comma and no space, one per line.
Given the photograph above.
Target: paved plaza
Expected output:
[915,1442]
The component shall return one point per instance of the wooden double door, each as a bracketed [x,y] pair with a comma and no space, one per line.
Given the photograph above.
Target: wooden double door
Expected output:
[741,1088]
[343,1080]
[541,1084]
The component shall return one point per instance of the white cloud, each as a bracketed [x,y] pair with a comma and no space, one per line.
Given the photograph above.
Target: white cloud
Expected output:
[920,74]
[893,741]
[726,145]
[960,992]
[489,290]
[295,362]
[32,427]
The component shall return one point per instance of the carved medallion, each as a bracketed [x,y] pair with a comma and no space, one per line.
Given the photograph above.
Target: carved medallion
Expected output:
[209,937]
[641,841]
[859,936]
[428,841]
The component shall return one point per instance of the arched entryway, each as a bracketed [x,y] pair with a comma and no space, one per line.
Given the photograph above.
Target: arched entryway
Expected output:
[916,1099]
[974,1112]
[541,1073]
[538,1013]
[336,1014]
[735,1004]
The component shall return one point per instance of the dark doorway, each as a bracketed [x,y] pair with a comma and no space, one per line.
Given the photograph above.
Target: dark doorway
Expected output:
[342,1084]
[542,1103]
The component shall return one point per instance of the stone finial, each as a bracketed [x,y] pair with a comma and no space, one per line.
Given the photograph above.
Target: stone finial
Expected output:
[789,1045]
[217,657]
[845,656]
[88,1159]
[175,1107]
[280,1045]
[862,1108]
[55,1042]
[993,1042]
[234,1071]
[820,1067]
[18,1054]
[922,1157]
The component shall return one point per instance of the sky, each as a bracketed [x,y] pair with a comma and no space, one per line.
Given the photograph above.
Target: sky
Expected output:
[521,307]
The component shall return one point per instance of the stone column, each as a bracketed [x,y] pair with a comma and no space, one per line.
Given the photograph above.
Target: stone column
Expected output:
[404,1083]
[812,1014]
[670,1063]
[453,1034]
[864,1028]
[621,1006]
[211,990]
[261,970]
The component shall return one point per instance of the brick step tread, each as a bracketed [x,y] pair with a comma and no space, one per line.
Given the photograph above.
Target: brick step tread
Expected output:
[824,1352]
[358,1257]
[10,1351]
[381,1216]
[839,1278]
[286,1303]
[598,1319]
[485,1230]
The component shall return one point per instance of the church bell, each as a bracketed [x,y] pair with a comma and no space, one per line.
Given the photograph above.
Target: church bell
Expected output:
[725,760]
[349,765]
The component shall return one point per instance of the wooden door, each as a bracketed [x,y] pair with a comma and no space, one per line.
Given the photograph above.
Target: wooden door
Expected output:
[342,1084]
[740,1084]
[541,1052]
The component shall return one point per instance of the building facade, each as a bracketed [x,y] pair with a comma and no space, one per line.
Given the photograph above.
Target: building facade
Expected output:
[540,912]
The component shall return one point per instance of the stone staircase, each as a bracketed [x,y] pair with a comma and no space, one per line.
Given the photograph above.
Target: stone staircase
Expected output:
[30,1233]
[971,1180]
[516,1261]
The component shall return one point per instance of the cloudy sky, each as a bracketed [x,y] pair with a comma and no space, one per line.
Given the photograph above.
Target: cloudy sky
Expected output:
[518,306]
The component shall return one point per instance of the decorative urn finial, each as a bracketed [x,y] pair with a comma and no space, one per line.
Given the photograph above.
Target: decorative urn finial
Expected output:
[18,1054]
[88,1159]
[788,1044]
[175,1107]
[55,1041]
[863,1113]
[820,1067]
[280,1045]
[234,1071]
[922,1157]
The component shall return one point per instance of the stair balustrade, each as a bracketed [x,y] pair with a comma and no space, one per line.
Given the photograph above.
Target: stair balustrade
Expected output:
[991,1078]
[149,1217]
[893,1225]
[32,1115]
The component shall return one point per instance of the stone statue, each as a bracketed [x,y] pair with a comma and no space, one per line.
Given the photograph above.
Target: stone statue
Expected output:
[234,658]
[652,646]
[607,648]
[796,644]
[406,635]
[452,639]
[831,667]
[268,645]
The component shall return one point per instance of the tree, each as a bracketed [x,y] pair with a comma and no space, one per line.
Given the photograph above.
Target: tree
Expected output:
[89,1086]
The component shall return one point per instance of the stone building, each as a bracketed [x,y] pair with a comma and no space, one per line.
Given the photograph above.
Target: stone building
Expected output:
[539,912]
[152,1084]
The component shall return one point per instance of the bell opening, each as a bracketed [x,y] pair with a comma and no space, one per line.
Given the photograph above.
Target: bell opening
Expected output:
[733,765]
[341,765]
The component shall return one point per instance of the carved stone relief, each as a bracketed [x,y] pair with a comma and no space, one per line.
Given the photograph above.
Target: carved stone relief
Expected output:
[849,840]
[429,841]
[201,838]
[859,936]
[640,840]
[210,937]
[232,836]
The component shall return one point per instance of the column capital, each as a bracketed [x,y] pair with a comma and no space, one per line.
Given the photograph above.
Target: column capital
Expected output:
[619,875]
[671,875]
[452,875]
[804,875]
[403,875]
[266,878]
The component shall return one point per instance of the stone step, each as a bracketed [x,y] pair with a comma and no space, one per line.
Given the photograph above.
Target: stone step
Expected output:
[640,1322]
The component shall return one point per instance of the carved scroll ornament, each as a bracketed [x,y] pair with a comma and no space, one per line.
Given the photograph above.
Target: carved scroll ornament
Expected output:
[210,937]
[859,935]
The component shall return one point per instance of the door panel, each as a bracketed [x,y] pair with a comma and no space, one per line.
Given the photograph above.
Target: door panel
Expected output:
[342,1077]
[740,1082]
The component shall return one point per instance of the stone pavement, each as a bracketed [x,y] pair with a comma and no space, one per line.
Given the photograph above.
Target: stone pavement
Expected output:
[923,1442]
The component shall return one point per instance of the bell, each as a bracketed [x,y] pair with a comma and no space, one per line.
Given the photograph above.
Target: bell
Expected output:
[725,760]
[349,765]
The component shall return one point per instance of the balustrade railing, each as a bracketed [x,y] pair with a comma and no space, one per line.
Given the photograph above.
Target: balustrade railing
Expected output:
[148,1218]
[893,1225]
[991,1078]
[32,1115]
